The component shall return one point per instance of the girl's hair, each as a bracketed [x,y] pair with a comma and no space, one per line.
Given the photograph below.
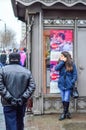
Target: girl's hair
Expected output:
[69,62]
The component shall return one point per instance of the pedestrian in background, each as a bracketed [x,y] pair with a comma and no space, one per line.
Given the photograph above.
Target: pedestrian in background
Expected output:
[14,50]
[68,76]
[3,58]
[22,57]
[16,86]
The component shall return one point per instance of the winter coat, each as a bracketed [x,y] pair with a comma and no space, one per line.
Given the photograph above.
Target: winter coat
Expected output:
[3,58]
[22,58]
[16,84]
[67,79]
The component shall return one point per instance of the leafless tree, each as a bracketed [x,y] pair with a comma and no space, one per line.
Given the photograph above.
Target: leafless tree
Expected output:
[7,38]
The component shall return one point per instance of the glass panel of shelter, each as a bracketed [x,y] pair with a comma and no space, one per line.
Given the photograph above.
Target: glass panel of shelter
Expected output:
[56,41]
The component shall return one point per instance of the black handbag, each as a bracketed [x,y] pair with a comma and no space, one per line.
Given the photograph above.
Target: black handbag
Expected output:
[75,93]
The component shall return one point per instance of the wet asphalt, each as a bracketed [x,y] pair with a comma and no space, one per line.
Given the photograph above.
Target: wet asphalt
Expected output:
[49,122]
[2,124]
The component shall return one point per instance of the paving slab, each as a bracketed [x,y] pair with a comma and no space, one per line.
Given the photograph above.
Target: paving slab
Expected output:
[51,122]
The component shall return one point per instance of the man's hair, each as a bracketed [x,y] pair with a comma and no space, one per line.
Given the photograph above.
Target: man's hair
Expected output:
[14,58]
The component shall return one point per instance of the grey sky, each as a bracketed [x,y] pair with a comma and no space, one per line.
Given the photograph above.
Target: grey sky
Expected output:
[7,15]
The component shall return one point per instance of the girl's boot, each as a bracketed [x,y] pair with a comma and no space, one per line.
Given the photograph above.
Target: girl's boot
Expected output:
[68,115]
[63,115]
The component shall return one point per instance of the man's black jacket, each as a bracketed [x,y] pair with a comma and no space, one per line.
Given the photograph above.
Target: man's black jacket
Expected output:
[16,84]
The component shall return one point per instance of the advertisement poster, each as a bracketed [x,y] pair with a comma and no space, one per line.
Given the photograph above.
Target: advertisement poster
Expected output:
[60,40]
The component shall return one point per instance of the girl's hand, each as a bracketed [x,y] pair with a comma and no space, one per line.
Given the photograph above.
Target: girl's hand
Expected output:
[63,59]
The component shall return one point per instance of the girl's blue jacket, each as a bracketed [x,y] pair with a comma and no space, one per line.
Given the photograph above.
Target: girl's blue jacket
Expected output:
[67,79]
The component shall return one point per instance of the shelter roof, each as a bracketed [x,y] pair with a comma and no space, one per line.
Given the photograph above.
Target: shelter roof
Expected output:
[68,3]
[19,6]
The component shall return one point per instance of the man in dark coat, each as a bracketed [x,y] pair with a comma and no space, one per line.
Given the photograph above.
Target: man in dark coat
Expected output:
[16,87]
[3,58]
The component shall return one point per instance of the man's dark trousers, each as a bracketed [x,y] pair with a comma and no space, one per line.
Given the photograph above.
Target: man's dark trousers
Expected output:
[14,117]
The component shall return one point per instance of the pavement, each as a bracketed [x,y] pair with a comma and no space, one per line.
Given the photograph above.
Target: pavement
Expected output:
[51,122]
[2,124]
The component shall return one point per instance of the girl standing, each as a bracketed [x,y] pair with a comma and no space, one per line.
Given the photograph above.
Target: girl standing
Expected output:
[68,76]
